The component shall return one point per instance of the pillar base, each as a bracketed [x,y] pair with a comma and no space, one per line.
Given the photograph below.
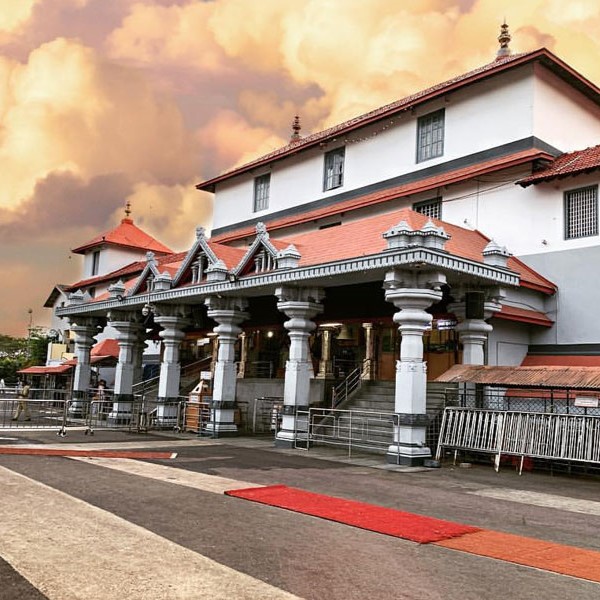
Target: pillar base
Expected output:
[219,430]
[119,418]
[407,456]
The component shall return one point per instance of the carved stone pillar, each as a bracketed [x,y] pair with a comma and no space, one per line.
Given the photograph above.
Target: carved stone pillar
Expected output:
[228,313]
[326,364]
[369,366]
[412,294]
[138,357]
[300,305]
[173,320]
[473,331]
[84,328]
[129,328]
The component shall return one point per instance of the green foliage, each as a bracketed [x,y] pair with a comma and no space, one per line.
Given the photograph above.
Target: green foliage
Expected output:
[18,353]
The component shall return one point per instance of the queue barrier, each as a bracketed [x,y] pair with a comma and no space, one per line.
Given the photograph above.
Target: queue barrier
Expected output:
[548,436]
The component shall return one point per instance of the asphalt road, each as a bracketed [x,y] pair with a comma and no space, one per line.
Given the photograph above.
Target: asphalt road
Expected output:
[115,528]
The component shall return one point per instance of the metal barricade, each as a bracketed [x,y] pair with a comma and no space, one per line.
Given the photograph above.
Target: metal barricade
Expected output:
[264,415]
[368,431]
[194,416]
[523,434]
[37,412]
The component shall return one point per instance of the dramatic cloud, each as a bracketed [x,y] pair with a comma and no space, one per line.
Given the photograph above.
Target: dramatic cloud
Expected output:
[101,102]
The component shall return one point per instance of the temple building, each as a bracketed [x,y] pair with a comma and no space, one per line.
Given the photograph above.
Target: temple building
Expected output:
[458,225]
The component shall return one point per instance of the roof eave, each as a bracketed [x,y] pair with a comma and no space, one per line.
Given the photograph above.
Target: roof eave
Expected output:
[547,58]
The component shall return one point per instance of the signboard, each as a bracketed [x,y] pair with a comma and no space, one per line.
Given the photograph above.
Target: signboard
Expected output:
[205,375]
[586,402]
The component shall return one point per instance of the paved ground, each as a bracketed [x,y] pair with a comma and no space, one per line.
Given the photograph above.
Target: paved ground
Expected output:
[103,528]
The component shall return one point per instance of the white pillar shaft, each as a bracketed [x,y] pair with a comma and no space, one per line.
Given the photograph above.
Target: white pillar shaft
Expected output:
[83,344]
[473,334]
[170,369]
[298,369]
[411,374]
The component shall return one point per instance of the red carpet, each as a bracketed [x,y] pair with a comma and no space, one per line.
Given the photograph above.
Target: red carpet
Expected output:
[388,521]
[88,453]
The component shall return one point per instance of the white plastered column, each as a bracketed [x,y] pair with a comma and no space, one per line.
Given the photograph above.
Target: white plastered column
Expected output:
[412,294]
[129,329]
[228,312]
[173,320]
[300,305]
[84,328]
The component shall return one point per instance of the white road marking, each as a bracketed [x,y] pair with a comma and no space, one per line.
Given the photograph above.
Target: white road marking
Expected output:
[168,474]
[70,550]
[148,445]
[587,507]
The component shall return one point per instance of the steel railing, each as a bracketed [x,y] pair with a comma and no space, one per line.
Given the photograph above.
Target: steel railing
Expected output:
[341,392]
[548,436]
[354,430]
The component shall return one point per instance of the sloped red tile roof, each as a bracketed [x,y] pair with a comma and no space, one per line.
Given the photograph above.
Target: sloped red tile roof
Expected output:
[524,315]
[565,165]
[415,187]
[125,234]
[162,262]
[229,255]
[497,66]
[364,237]
[107,347]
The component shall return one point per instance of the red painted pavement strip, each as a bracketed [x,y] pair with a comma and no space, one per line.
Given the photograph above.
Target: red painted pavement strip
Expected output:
[417,528]
[529,552]
[540,554]
[87,453]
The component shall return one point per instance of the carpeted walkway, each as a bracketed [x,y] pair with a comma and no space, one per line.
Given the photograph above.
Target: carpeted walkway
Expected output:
[388,521]
[539,554]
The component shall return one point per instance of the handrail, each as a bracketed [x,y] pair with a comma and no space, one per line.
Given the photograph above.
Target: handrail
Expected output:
[142,386]
[341,392]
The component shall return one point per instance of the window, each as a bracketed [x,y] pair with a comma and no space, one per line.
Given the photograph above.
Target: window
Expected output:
[334,169]
[430,136]
[429,208]
[95,262]
[581,212]
[262,186]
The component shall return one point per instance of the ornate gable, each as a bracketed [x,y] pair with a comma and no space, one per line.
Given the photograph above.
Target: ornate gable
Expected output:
[200,263]
[263,256]
[151,279]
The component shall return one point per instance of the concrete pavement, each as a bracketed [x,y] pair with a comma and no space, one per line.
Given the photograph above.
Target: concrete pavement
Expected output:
[89,528]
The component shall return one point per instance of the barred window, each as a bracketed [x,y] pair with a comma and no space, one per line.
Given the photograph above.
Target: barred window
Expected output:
[581,212]
[262,186]
[430,136]
[334,169]
[429,208]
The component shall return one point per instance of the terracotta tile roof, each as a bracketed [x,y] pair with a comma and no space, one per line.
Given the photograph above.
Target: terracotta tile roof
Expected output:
[565,165]
[524,315]
[163,263]
[415,187]
[229,255]
[125,234]
[364,237]
[497,66]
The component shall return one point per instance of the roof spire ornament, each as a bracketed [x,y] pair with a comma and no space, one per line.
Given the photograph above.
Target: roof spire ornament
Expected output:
[127,209]
[295,129]
[504,39]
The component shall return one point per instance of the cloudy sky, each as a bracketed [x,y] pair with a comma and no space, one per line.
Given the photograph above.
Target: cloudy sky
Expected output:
[104,101]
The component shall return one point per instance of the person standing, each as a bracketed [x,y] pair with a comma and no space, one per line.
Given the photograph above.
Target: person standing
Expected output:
[23,394]
[2,386]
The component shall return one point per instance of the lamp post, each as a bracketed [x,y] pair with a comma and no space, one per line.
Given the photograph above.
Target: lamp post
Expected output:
[30,312]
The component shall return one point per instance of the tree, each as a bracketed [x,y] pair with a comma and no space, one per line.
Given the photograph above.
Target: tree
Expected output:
[13,356]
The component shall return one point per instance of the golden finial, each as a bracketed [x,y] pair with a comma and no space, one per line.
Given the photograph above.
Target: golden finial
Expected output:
[295,129]
[504,39]
[127,209]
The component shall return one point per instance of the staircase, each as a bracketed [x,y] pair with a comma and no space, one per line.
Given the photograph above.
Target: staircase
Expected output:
[190,376]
